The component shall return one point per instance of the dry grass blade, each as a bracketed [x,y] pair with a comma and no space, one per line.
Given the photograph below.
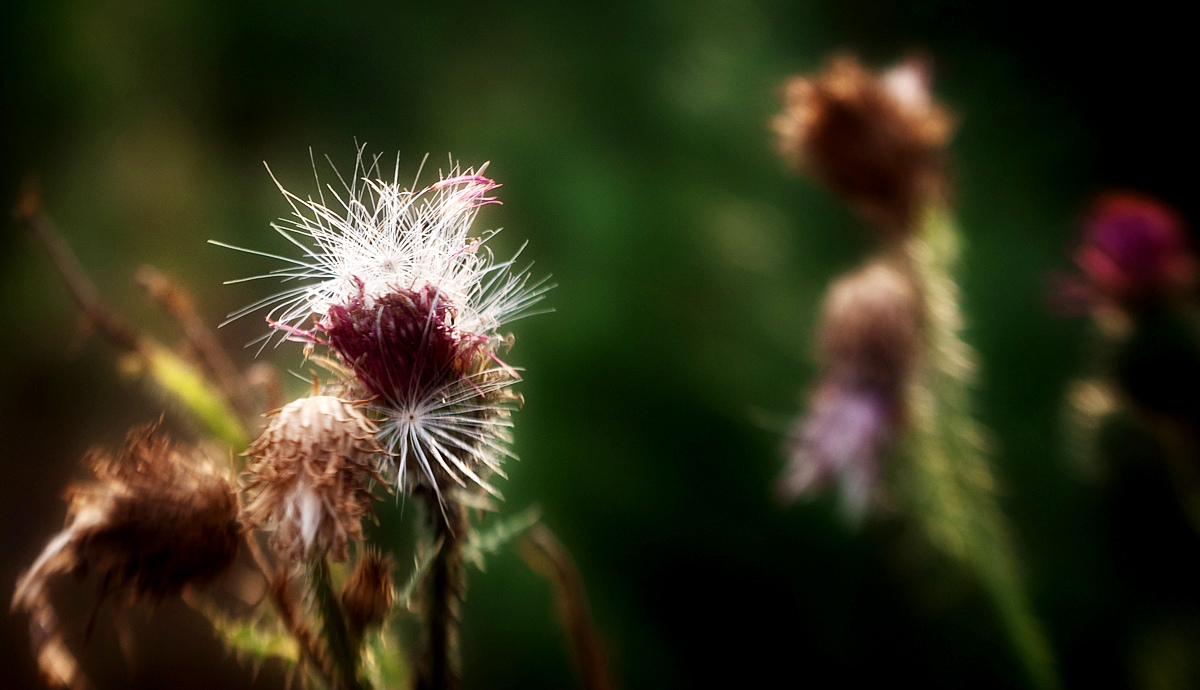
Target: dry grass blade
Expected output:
[546,555]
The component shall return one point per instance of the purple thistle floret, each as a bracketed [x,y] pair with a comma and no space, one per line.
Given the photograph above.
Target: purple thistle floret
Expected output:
[869,345]
[842,439]
[401,344]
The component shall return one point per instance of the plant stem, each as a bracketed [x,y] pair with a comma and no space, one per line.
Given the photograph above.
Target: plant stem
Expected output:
[337,638]
[547,556]
[179,379]
[445,587]
[948,482]
[285,608]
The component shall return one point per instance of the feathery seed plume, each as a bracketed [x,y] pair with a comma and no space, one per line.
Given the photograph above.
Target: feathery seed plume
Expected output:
[394,283]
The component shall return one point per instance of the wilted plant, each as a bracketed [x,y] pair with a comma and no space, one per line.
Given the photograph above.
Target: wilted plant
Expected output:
[156,519]
[406,303]
[891,415]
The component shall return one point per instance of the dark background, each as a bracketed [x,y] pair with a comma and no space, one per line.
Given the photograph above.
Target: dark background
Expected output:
[632,144]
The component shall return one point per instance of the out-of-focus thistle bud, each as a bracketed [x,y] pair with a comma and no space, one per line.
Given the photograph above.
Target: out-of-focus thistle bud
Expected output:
[1134,251]
[311,477]
[869,345]
[870,329]
[157,518]
[876,140]
[368,593]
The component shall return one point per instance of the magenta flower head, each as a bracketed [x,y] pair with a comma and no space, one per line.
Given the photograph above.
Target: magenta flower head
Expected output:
[869,342]
[393,281]
[842,438]
[1134,251]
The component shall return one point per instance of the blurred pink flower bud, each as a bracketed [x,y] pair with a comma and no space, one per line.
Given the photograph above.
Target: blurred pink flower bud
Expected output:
[1134,250]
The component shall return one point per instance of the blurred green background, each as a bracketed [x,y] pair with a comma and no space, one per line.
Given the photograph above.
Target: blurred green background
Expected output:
[632,144]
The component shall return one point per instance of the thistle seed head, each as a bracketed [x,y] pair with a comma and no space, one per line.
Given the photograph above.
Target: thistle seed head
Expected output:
[402,342]
[878,141]
[376,236]
[869,346]
[311,477]
[398,287]
[442,392]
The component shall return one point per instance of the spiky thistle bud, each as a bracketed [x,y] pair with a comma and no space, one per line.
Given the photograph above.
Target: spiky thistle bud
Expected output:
[158,517]
[311,476]
[398,288]
[369,592]
[876,140]
[869,343]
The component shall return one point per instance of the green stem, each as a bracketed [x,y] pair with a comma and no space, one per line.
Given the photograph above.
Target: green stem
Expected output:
[445,588]
[337,638]
[948,482]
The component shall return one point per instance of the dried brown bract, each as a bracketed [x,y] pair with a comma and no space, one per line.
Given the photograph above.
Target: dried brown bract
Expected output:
[876,140]
[157,518]
[368,593]
[311,477]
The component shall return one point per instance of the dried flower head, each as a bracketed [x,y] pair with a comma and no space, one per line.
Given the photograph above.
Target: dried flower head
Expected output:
[311,477]
[397,286]
[869,344]
[1134,250]
[876,140]
[368,593]
[157,518]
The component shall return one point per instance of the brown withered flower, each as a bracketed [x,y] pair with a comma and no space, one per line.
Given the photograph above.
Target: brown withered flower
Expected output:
[368,593]
[156,519]
[311,477]
[877,140]
[869,345]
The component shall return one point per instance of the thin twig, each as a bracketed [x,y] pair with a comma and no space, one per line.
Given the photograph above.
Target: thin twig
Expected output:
[546,555]
[178,304]
[180,379]
[32,215]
